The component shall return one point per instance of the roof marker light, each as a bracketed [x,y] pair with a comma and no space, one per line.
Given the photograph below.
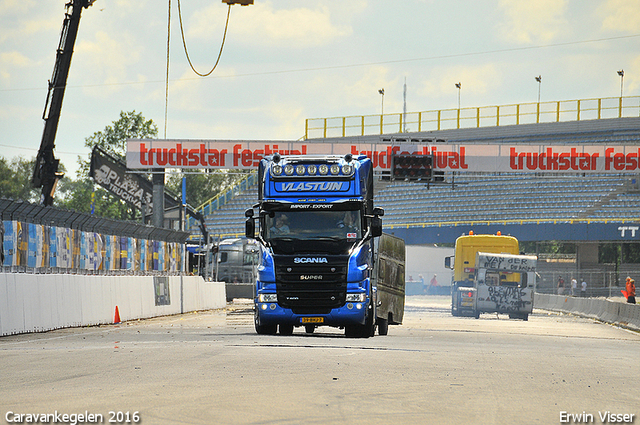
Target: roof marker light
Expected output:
[288,169]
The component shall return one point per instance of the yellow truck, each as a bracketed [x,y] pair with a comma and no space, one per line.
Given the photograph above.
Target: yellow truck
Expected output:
[463,266]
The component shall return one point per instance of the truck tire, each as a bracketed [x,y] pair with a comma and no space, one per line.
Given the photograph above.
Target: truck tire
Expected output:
[383,326]
[363,331]
[309,328]
[286,329]
[266,329]
[263,329]
[476,314]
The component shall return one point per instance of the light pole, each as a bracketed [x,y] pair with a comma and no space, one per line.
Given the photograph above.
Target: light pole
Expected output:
[381,91]
[539,80]
[459,86]
[621,74]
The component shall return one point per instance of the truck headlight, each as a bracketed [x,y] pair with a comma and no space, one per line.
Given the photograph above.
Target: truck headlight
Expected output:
[268,298]
[356,298]
[277,170]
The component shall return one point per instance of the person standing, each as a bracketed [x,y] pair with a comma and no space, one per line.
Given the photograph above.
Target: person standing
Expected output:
[560,285]
[631,291]
[574,287]
[583,290]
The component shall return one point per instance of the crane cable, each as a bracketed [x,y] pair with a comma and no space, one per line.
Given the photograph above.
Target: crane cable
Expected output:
[166,81]
[184,43]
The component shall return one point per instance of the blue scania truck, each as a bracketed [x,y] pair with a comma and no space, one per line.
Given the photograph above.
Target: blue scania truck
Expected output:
[324,259]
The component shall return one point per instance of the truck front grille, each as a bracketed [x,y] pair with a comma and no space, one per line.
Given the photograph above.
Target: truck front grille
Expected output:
[311,288]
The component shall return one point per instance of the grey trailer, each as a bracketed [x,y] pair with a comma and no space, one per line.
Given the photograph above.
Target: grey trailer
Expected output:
[388,281]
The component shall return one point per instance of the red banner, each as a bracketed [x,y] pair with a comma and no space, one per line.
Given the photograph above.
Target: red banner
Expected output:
[233,154]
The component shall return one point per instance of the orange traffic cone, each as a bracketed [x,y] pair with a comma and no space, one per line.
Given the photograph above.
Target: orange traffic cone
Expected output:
[116,318]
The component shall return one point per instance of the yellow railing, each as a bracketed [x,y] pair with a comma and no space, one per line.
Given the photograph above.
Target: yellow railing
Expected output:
[485,116]
[221,198]
[510,221]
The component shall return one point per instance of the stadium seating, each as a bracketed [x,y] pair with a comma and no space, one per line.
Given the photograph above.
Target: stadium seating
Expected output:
[510,197]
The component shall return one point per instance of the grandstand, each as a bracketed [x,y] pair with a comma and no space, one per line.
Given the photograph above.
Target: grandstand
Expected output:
[473,199]
[585,209]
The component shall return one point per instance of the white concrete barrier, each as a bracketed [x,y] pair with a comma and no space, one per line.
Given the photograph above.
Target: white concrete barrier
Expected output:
[609,311]
[42,302]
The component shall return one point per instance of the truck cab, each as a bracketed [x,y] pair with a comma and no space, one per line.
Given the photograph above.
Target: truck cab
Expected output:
[316,231]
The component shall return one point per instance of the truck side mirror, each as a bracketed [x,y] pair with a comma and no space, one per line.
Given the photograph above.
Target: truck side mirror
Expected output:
[447,262]
[376,226]
[250,228]
[378,211]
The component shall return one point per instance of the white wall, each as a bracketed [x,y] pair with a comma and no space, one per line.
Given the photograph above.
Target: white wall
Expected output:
[42,302]
[426,261]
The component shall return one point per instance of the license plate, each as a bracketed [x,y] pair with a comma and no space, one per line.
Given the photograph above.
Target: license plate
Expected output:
[312,320]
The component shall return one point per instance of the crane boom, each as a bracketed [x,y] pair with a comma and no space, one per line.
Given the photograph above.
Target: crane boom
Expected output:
[45,173]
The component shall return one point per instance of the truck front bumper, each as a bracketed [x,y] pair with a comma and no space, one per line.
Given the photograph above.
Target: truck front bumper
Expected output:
[355,313]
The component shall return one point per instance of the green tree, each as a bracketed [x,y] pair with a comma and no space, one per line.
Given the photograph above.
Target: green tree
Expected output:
[201,185]
[112,139]
[15,180]
[76,194]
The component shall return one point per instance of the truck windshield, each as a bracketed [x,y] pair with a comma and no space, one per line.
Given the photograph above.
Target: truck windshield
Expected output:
[314,225]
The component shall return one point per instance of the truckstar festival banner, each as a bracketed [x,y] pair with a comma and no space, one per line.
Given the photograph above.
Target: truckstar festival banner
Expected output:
[230,154]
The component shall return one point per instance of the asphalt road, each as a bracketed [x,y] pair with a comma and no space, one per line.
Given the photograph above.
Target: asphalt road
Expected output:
[211,368]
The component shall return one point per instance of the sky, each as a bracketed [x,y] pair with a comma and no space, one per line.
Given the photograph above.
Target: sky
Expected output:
[288,60]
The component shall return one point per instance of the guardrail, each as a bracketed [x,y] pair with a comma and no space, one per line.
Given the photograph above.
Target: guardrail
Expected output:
[38,239]
[476,117]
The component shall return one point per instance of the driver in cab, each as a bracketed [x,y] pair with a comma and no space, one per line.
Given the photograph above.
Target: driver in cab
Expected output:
[348,222]
[280,227]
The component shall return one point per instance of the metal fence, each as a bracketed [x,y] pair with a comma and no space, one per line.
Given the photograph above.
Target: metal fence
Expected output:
[39,239]
[600,282]
[475,117]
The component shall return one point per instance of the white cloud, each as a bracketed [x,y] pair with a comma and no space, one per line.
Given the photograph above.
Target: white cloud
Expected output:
[264,23]
[9,7]
[474,80]
[11,63]
[533,21]
[620,15]
[105,60]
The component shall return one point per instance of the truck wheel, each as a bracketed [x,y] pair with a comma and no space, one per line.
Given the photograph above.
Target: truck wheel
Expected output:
[525,317]
[264,329]
[309,328]
[286,329]
[383,326]
[477,314]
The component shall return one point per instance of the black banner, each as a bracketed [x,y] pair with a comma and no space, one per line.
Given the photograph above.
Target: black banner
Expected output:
[134,189]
